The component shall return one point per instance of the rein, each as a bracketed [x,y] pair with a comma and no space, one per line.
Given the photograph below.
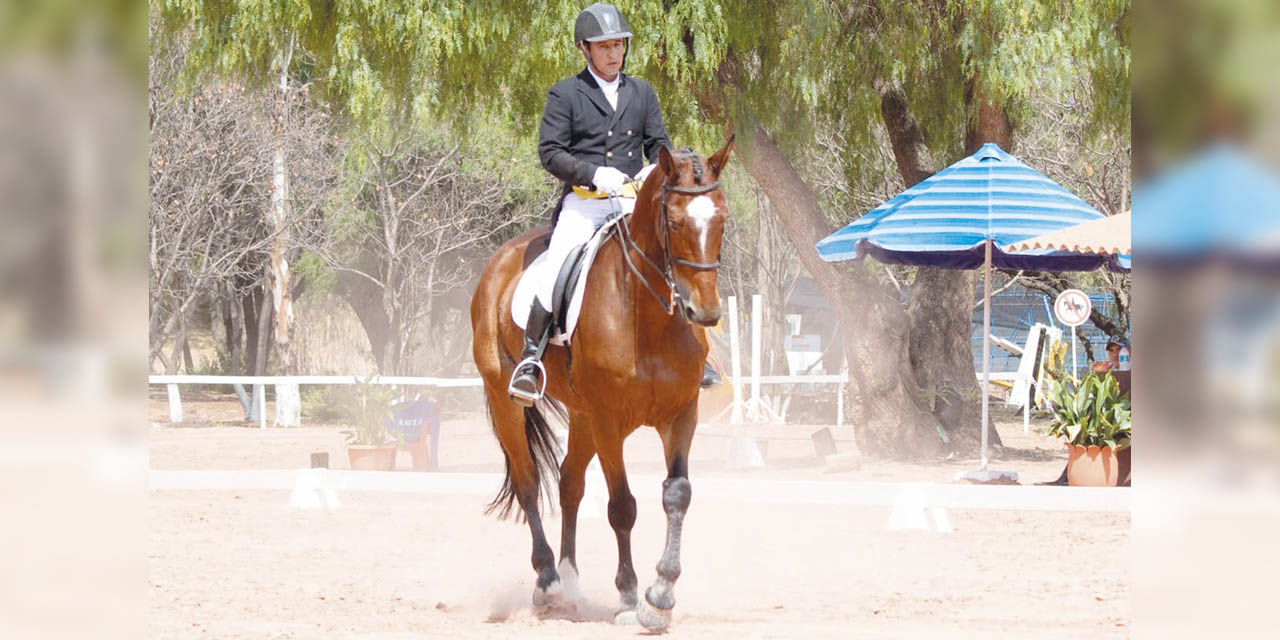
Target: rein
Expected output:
[668,273]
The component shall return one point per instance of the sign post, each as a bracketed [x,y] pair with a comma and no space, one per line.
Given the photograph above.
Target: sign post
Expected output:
[1072,307]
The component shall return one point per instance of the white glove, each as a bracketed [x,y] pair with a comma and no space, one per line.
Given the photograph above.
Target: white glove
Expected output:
[609,180]
[644,173]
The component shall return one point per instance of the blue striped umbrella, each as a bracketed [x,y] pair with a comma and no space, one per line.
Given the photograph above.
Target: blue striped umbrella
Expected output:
[959,218]
[946,220]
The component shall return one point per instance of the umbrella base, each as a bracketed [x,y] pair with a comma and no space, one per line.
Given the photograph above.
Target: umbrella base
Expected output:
[988,477]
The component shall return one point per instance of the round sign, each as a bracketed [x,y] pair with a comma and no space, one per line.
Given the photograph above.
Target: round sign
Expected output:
[1072,307]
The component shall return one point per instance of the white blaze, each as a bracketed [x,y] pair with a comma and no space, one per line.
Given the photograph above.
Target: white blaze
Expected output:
[701,210]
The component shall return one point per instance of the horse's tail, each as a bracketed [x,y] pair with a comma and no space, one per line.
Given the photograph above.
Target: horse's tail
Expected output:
[544,450]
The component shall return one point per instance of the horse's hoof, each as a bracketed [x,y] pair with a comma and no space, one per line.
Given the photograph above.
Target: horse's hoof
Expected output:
[626,618]
[547,598]
[651,617]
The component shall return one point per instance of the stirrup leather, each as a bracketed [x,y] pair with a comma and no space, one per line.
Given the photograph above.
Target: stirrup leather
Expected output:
[520,393]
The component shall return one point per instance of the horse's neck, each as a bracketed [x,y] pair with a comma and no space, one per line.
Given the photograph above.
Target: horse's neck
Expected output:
[642,226]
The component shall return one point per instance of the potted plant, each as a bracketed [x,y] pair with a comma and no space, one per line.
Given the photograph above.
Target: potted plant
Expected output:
[371,446]
[1095,419]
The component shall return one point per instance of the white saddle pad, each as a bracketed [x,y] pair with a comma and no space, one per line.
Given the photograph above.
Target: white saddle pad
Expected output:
[540,271]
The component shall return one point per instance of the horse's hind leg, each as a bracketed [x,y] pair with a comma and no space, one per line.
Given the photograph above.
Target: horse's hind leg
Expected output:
[659,599]
[523,475]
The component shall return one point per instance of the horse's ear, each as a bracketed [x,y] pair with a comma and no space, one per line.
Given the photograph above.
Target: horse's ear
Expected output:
[667,163]
[721,157]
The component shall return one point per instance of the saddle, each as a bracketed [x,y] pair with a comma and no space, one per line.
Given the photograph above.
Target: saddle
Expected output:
[570,283]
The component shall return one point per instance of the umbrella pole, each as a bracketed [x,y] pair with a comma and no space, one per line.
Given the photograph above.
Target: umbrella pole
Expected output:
[986,348]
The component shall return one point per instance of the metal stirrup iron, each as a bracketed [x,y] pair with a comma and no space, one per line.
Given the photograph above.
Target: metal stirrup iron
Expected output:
[542,377]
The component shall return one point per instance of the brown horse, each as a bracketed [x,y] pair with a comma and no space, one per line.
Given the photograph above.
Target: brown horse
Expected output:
[637,359]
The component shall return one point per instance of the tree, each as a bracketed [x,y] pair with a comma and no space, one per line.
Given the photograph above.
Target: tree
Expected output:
[365,54]
[929,78]
[212,148]
[418,201]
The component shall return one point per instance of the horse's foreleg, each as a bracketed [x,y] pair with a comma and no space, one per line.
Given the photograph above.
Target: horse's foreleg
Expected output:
[655,612]
[622,514]
[572,485]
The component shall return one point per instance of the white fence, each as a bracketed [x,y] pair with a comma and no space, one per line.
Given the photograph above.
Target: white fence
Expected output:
[175,398]
[754,408]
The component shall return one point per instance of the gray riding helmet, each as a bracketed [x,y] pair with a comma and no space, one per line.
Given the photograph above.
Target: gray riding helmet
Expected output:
[600,22]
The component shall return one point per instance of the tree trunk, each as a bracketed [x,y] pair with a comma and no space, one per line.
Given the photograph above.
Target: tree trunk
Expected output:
[365,299]
[260,359]
[940,310]
[887,419]
[233,321]
[288,402]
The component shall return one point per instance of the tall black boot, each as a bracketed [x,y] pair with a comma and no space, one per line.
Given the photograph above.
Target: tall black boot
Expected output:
[709,376]
[529,379]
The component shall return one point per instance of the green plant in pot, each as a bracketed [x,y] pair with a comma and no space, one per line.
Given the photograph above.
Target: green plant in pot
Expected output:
[371,446]
[1095,419]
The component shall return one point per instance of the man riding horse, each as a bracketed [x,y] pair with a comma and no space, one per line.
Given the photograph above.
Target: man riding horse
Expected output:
[594,129]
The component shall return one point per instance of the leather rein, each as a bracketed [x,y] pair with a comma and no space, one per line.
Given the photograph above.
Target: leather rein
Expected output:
[668,271]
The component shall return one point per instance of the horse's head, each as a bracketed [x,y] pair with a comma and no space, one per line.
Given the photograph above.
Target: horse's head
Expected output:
[690,226]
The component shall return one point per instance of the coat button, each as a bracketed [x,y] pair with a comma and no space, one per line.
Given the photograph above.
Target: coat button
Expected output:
[629,132]
[611,133]
[608,154]
[628,154]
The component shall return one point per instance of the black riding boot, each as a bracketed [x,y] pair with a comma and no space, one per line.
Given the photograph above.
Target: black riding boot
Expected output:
[529,379]
[709,377]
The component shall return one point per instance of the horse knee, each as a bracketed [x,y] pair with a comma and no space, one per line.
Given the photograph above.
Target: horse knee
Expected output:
[676,495]
[622,512]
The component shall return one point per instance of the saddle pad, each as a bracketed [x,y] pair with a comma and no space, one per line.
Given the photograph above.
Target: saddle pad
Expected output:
[539,272]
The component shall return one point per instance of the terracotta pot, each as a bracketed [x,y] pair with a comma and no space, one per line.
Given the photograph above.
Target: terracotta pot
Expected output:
[1092,466]
[372,458]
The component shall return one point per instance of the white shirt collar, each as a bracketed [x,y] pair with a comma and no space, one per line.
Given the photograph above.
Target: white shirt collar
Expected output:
[605,84]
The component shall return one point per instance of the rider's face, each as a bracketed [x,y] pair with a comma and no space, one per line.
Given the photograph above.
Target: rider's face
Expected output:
[606,56]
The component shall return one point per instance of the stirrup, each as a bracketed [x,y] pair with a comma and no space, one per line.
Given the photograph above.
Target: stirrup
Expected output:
[520,393]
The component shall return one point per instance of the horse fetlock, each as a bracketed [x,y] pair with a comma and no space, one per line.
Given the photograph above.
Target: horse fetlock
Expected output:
[547,576]
[661,595]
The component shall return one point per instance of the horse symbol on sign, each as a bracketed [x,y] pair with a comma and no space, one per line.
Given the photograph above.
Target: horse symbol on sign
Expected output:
[1072,307]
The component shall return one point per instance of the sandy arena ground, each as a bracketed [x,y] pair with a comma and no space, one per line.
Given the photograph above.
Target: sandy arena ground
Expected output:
[242,564]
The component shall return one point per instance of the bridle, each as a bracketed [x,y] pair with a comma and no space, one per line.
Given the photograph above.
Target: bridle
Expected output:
[668,271]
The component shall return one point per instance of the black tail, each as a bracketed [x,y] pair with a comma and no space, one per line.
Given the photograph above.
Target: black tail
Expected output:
[545,451]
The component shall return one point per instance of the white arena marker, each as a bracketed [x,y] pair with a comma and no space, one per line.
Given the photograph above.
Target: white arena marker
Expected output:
[595,497]
[744,453]
[910,513]
[310,491]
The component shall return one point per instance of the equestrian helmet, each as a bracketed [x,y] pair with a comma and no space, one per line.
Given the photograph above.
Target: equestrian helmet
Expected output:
[600,22]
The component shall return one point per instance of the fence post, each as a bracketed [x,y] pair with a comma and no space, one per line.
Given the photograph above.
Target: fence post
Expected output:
[844,372]
[735,415]
[756,322]
[175,404]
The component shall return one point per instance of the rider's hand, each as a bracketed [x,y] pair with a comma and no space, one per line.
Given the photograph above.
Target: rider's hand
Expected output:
[644,173]
[609,180]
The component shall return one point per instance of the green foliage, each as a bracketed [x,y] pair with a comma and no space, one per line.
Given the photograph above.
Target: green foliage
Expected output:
[368,412]
[326,403]
[311,267]
[713,61]
[1091,412]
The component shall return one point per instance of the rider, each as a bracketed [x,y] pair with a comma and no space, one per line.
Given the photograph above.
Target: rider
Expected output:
[595,127]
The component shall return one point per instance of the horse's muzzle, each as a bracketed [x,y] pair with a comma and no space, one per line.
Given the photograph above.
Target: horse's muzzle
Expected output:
[706,318]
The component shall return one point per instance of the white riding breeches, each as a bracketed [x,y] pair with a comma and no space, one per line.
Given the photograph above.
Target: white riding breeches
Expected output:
[579,219]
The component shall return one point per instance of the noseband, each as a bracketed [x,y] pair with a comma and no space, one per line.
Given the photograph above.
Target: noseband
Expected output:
[668,273]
